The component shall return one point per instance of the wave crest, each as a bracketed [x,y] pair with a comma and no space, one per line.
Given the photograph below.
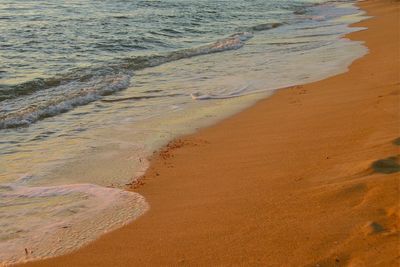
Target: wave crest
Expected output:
[26,103]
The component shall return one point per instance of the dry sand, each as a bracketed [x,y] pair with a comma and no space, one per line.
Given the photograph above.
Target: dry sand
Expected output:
[288,182]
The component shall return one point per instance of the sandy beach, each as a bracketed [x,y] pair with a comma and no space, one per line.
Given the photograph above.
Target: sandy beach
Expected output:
[306,177]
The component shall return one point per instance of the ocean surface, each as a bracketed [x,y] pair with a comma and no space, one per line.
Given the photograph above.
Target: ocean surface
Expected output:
[89,89]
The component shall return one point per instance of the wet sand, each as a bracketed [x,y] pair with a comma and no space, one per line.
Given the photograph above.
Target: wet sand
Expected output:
[305,177]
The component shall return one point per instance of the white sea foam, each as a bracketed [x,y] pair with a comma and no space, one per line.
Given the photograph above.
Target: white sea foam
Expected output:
[223,95]
[38,222]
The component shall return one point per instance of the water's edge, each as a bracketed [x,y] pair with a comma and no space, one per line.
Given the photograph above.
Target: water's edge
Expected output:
[128,195]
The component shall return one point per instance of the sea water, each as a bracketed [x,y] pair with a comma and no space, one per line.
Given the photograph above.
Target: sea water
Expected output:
[89,89]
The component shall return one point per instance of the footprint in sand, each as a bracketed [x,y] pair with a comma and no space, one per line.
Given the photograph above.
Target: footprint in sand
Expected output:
[387,166]
[373,228]
[396,141]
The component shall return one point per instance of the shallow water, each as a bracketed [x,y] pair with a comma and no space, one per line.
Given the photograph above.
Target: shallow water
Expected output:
[89,89]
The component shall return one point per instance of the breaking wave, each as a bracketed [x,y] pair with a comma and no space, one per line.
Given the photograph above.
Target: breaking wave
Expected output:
[40,106]
[26,103]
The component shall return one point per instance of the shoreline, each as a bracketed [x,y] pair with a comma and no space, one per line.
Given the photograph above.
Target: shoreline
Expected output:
[197,203]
